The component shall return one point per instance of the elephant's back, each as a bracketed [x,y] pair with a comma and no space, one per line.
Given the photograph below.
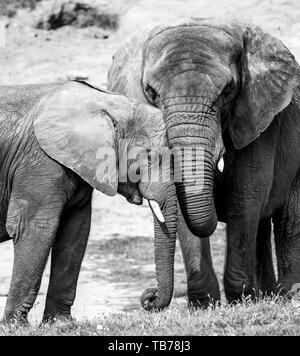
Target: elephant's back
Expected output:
[19,99]
[16,106]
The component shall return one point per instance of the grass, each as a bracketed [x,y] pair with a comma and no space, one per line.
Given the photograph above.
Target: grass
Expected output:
[128,261]
[269,317]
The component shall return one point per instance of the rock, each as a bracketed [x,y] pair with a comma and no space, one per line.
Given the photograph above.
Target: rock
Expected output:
[78,13]
[77,76]
[10,8]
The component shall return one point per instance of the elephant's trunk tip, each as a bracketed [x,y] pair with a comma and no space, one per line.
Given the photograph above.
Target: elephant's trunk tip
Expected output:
[151,300]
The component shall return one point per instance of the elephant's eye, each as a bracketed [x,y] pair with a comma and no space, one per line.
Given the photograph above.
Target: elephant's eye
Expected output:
[152,95]
[228,90]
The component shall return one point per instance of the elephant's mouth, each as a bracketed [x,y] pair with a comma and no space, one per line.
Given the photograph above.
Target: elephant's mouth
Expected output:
[131,192]
[136,200]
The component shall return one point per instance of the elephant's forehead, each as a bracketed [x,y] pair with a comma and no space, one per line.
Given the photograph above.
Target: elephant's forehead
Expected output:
[193,38]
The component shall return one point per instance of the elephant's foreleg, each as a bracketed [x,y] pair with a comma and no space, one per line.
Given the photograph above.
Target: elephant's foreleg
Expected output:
[265,274]
[33,225]
[240,278]
[247,189]
[287,241]
[203,287]
[39,194]
[67,255]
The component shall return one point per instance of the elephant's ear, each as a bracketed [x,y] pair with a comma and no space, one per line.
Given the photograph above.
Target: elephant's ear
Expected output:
[268,77]
[72,127]
[126,71]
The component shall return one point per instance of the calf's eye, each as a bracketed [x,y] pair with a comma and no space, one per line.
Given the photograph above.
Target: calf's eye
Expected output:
[151,93]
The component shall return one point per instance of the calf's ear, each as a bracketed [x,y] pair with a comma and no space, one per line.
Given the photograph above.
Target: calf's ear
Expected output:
[74,127]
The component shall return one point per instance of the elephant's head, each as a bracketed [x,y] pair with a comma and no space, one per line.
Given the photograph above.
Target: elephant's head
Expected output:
[206,77]
[112,143]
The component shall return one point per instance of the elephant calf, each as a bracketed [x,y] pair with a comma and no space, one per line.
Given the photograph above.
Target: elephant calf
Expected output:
[59,142]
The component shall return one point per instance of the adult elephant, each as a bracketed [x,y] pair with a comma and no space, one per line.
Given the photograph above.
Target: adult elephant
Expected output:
[228,88]
[59,142]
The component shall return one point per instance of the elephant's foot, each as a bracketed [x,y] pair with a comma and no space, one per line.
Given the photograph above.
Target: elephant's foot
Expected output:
[235,298]
[203,290]
[237,289]
[57,309]
[266,288]
[203,302]
[15,318]
[18,306]
[52,318]
[17,315]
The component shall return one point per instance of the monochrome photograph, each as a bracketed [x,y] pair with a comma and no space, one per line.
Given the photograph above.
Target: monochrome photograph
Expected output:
[150,170]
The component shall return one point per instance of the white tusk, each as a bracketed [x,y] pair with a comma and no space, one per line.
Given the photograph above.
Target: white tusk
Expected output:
[156,210]
[221,165]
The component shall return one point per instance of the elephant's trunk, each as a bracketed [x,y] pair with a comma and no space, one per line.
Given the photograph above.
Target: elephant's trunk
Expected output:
[164,242]
[195,194]
[192,134]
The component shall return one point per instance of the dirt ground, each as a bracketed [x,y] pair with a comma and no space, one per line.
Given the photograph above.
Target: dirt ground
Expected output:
[119,261]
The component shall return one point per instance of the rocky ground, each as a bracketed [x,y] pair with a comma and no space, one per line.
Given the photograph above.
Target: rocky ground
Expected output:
[119,261]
